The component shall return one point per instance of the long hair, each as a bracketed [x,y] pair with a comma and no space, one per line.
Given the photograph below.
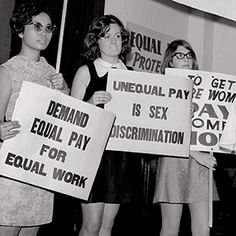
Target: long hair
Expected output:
[97,29]
[171,50]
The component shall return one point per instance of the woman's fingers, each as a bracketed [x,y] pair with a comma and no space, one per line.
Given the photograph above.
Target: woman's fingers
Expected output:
[8,129]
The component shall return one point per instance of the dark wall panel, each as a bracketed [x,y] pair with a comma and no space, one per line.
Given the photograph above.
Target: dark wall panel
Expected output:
[6,8]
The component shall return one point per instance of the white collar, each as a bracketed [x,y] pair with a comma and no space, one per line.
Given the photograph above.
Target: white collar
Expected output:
[102,67]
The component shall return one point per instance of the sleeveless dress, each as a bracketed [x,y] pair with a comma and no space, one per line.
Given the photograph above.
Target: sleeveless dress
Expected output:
[116,178]
[182,180]
[22,204]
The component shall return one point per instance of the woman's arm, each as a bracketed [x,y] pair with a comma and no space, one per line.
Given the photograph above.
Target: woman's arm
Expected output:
[5,91]
[80,82]
[204,159]
[7,129]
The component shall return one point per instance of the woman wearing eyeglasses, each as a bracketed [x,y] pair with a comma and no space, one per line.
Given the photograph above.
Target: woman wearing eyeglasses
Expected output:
[24,207]
[183,181]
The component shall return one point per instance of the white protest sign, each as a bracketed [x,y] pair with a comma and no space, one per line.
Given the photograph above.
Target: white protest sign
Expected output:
[148,47]
[213,95]
[60,144]
[152,113]
[228,139]
[224,8]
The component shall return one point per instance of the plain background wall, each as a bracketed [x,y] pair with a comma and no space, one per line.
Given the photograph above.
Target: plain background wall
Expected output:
[224,47]
[212,37]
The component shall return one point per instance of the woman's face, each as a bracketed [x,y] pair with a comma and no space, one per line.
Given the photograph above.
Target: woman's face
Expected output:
[110,45]
[182,58]
[38,33]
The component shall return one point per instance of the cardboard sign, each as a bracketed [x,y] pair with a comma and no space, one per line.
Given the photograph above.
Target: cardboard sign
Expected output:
[152,113]
[213,96]
[148,48]
[60,144]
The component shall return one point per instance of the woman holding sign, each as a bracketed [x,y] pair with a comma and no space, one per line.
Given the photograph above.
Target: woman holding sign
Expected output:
[180,180]
[107,44]
[24,207]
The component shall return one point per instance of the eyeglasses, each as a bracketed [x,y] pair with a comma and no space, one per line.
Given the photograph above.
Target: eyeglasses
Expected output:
[39,27]
[181,56]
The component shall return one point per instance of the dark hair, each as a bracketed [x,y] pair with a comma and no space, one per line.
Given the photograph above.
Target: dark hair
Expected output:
[23,13]
[97,29]
[169,53]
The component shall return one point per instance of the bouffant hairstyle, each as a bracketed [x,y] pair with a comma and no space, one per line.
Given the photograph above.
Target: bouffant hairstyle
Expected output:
[97,29]
[23,13]
[171,50]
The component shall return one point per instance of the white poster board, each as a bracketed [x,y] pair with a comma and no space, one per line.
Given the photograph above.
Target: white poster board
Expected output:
[60,144]
[152,113]
[213,96]
[224,8]
[148,48]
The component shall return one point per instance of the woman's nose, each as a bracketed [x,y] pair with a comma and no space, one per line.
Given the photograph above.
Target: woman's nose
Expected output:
[185,58]
[113,39]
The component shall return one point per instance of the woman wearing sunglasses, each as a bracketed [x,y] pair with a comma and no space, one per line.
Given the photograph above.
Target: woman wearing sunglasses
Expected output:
[24,207]
[179,180]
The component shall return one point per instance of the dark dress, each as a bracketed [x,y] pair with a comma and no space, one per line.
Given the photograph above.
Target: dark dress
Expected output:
[116,179]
